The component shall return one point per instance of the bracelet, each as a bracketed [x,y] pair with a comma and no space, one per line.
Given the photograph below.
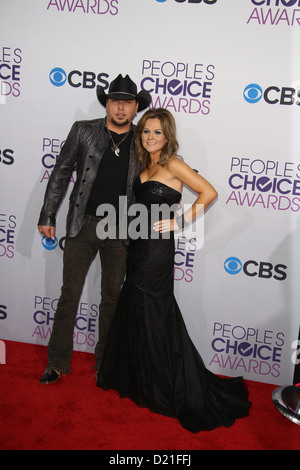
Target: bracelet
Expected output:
[181,222]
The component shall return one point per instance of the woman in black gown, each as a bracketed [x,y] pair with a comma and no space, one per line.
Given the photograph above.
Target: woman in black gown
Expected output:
[149,356]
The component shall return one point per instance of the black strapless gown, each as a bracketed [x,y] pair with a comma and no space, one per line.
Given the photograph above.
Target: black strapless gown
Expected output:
[149,356]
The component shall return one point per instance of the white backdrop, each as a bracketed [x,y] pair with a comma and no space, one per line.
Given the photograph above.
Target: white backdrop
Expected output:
[239,292]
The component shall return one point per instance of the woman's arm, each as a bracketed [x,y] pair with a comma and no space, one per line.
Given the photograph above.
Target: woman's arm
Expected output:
[206,194]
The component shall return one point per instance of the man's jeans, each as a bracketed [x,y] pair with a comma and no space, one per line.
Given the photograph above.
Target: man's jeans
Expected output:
[79,253]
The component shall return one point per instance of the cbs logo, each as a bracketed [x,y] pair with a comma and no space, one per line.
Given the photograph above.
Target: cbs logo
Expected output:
[252,268]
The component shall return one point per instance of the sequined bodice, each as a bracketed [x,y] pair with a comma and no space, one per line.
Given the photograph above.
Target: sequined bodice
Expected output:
[154,192]
[160,202]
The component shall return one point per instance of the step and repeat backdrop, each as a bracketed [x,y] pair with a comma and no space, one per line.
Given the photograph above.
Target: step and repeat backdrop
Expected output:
[229,72]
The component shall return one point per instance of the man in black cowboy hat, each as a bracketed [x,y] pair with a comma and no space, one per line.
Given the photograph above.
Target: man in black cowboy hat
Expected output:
[103,152]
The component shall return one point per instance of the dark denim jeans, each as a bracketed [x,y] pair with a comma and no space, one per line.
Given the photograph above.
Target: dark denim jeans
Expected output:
[79,254]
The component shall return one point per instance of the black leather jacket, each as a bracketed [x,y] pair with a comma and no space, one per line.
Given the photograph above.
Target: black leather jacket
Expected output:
[84,148]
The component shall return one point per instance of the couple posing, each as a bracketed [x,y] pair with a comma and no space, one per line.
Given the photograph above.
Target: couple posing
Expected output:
[143,350]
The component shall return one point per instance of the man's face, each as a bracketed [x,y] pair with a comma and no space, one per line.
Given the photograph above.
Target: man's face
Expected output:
[120,113]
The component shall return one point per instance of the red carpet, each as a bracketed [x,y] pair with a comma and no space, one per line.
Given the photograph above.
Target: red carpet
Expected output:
[74,414]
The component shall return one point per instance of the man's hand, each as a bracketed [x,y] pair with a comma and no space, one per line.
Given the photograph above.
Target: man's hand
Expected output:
[47,230]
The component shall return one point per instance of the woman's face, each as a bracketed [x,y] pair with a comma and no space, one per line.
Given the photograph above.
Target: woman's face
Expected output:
[153,137]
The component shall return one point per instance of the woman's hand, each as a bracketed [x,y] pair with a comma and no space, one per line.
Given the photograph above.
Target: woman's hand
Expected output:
[166,225]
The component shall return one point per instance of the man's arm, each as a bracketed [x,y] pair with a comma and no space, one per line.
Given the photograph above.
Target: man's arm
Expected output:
[58,183]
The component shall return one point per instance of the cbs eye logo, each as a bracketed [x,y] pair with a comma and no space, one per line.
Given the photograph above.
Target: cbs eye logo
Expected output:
[233,265]
[58,76]
[49,244]
[253,93]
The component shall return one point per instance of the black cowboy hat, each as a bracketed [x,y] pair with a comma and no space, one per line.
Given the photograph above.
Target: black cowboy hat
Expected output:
[124,89]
